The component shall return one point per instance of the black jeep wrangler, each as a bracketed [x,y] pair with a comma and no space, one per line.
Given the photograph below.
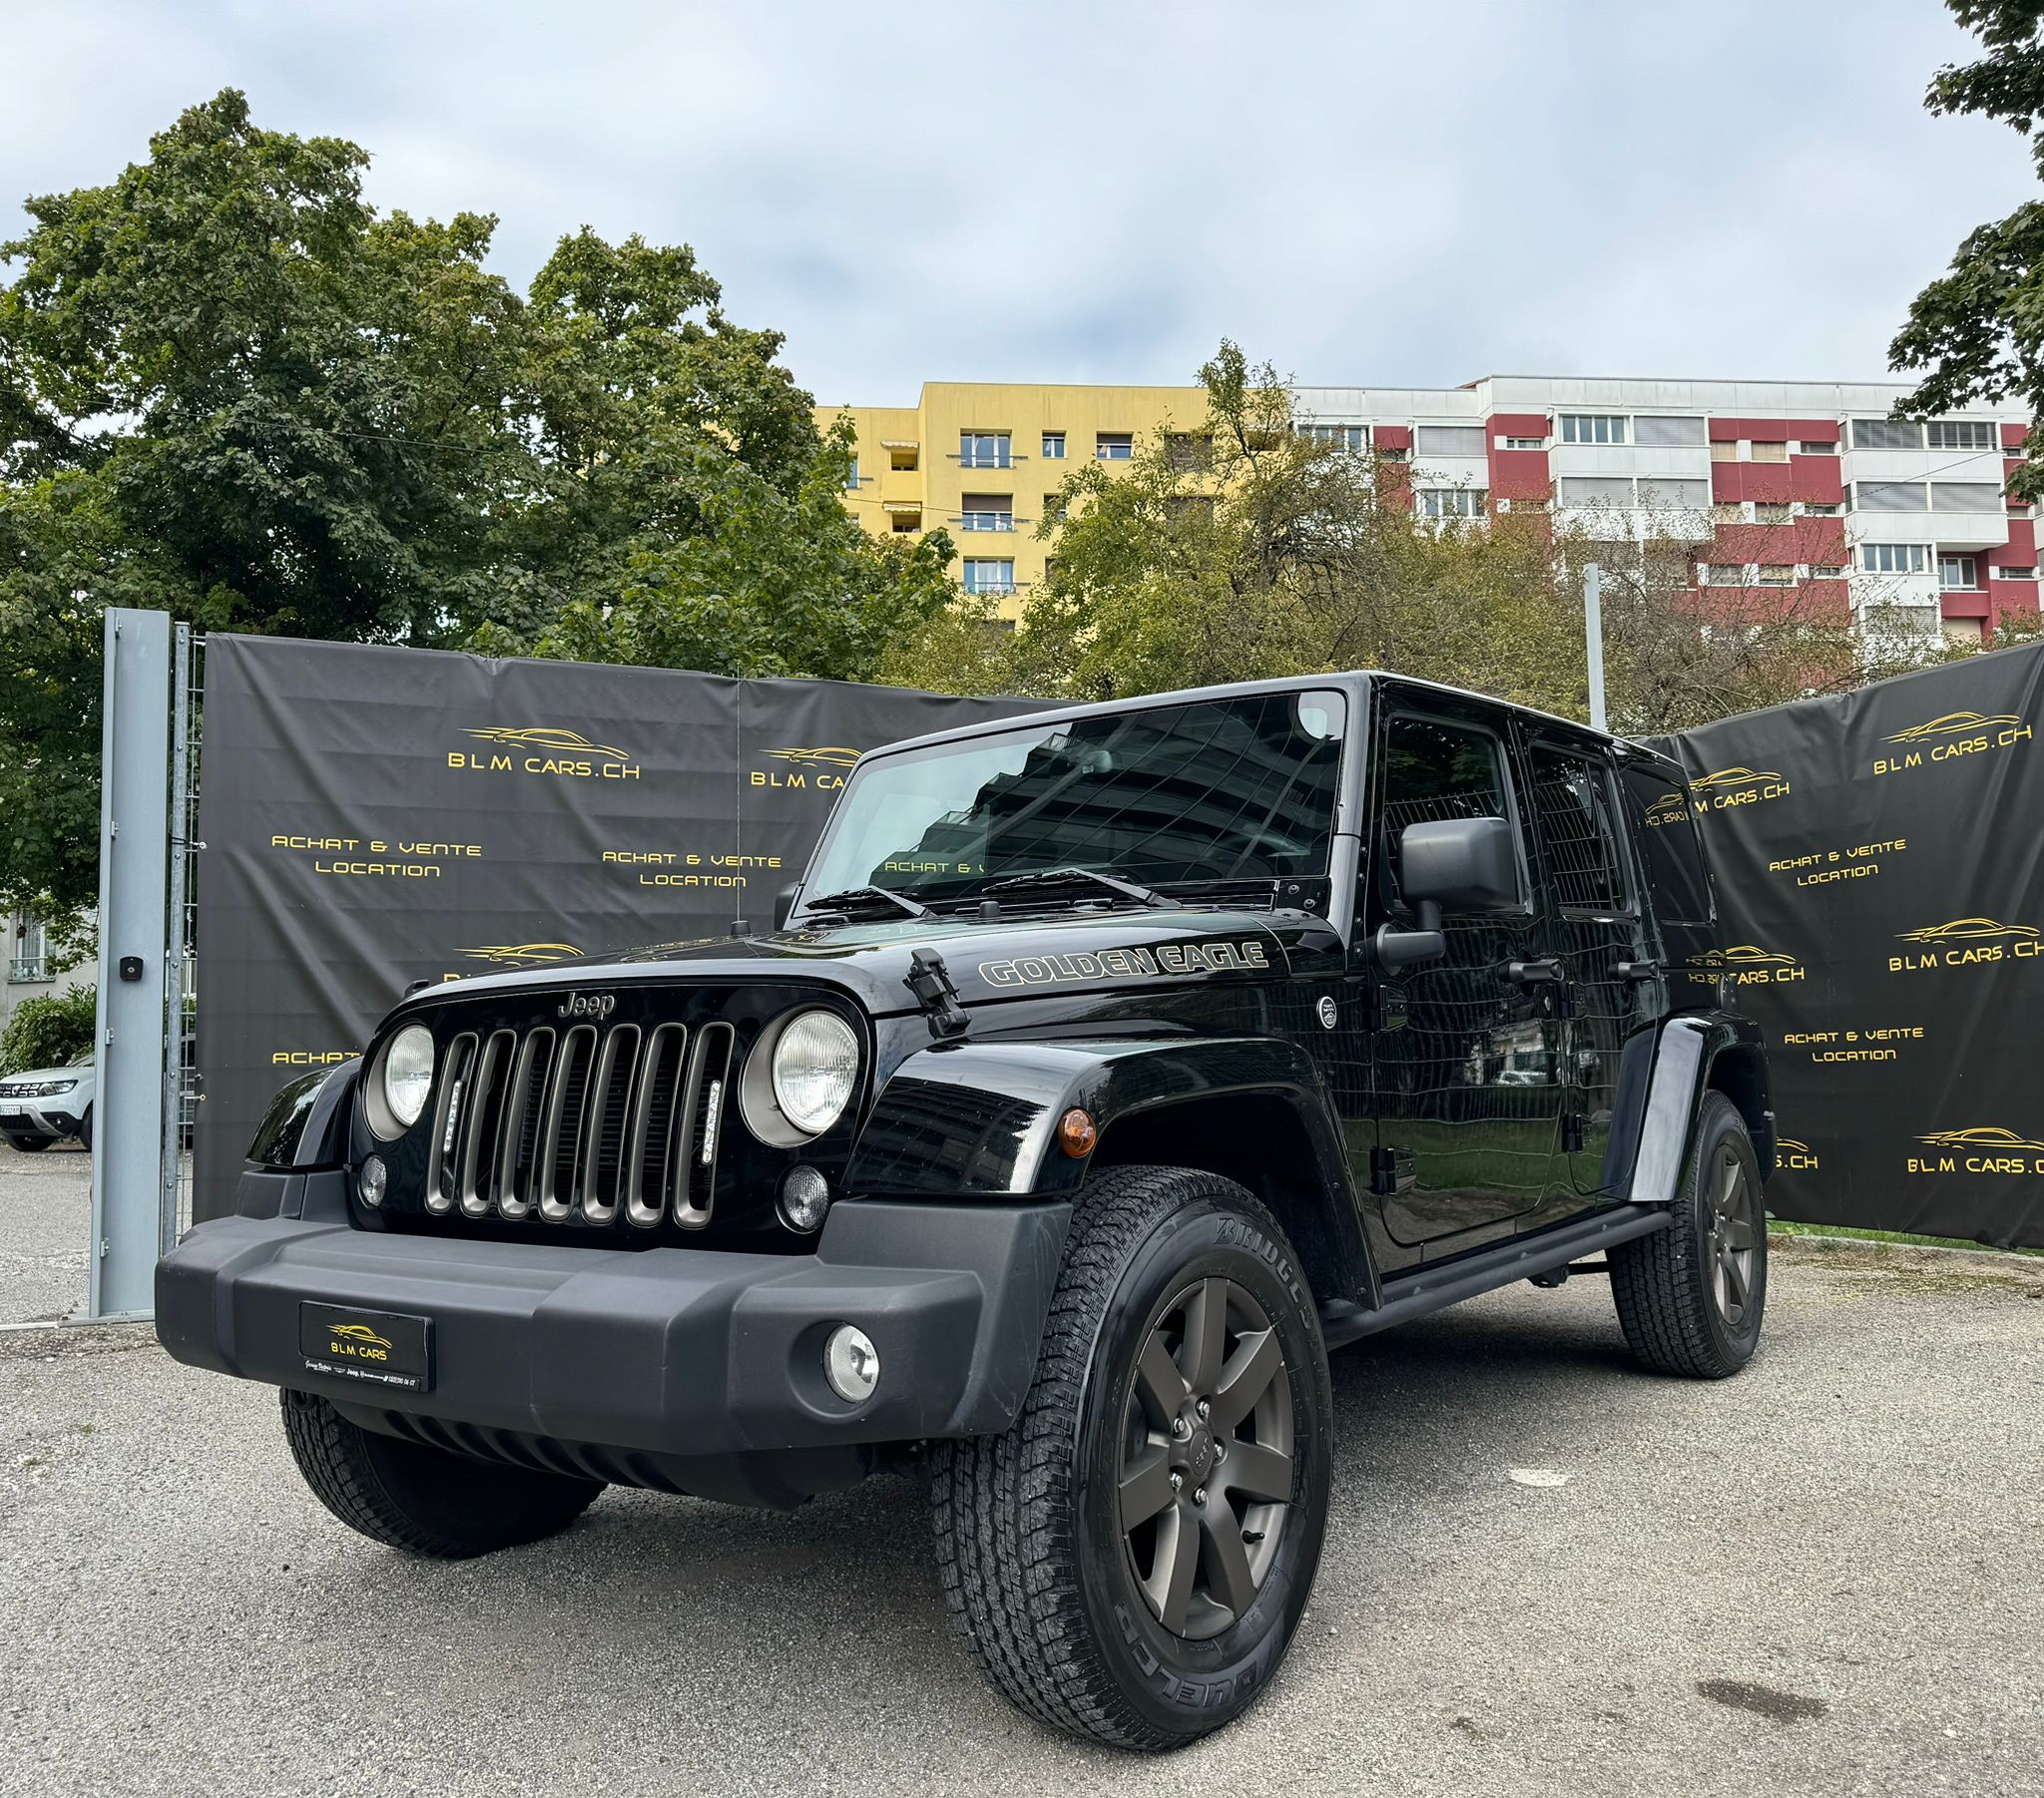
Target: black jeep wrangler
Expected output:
[1105,1069]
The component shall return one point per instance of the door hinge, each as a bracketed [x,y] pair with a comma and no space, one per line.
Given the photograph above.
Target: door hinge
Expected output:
[1572,1133]
[1391,1170]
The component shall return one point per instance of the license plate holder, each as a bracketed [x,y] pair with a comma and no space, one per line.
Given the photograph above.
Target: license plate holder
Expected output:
[379,1348]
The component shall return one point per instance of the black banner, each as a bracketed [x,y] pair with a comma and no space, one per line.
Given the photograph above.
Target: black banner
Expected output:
[376,816]
[1877,860]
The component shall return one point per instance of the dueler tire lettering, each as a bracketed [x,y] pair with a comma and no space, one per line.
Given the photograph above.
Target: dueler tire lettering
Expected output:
[423,1500]
[1030,1540]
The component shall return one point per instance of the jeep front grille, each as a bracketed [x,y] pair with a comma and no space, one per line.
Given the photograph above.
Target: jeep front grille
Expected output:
[581,1124]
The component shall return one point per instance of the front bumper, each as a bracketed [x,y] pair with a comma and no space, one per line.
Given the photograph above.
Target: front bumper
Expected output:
[21,1118]
[666,1351]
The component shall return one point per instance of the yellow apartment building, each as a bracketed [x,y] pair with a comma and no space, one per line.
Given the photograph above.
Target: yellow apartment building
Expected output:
[981,459]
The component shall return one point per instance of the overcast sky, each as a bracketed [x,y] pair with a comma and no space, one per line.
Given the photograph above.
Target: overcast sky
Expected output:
[1391,195]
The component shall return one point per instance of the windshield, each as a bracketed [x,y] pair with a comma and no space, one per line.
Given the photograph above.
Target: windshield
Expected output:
[1211,790]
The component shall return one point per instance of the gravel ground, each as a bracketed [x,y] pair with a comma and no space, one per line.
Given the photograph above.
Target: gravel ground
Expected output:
[45,1211]
[1821,1576]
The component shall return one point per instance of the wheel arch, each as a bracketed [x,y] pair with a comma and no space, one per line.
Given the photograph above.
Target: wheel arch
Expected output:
[1697,1054]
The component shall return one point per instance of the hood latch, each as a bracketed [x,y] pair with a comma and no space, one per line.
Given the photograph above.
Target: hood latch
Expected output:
[930,981]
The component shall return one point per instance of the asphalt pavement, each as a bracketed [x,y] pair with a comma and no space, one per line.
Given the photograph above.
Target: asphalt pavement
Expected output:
[1547,1572]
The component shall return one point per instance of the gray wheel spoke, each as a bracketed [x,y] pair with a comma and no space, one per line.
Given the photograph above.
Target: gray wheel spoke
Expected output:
[1246,1376]
[1169,1586]
[1146,1487]
[1727,1185]
[1739,1234]
[1226,1560]
[1257,1472]
[1735,1280]
[1206,1335]
[1159,1384]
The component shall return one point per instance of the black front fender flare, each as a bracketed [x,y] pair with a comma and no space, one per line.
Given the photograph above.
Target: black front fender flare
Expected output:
[1695,1054]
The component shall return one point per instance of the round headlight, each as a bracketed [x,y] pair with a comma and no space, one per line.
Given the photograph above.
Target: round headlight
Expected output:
[408,1073]
[816,1062]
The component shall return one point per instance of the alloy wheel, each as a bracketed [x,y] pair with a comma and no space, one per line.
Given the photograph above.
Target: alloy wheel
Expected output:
[1734,1236]
[1205,1468]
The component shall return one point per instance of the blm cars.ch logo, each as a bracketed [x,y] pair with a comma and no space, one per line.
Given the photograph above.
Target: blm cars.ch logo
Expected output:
[1728,787]
[1984,1148]
[1744,965]
[821,770]
[1967,943]
[1794,1152]
[1951,736]
[543,749]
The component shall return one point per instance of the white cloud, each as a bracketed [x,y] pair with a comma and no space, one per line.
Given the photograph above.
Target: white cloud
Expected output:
[1072,191]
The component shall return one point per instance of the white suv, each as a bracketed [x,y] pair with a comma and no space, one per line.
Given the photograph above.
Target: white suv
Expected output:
[49,1103]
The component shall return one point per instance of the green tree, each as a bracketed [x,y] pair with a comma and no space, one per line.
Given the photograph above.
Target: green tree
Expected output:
[1977,331]
[49,1031]
[230,391]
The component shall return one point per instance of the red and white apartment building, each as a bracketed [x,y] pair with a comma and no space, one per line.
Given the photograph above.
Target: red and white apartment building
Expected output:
[1806,494]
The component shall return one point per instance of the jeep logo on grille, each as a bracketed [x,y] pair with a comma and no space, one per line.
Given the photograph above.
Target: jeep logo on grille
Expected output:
[588,1005]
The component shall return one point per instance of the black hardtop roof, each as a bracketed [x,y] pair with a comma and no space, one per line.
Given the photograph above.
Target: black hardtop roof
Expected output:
[1354,681]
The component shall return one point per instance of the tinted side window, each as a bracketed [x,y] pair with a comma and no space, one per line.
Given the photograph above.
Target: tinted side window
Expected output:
[1665,828]
[1572,798]
[1433,772]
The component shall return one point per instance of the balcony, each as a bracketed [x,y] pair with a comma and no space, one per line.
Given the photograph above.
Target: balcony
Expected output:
[23,970]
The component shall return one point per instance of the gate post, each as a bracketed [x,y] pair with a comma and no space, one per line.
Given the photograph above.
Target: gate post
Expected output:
[135,831]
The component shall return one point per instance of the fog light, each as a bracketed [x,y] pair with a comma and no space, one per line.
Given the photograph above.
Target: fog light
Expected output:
[852,1364]
[372,1180]
[805,1197]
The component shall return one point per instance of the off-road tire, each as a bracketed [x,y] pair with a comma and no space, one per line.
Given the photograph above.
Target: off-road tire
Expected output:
[1663,1285]
[1030,1536]
[31,1146]
[424,1499]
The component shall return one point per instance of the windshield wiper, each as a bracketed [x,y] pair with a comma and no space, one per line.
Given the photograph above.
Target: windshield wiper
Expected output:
[855,896]
[1056,877]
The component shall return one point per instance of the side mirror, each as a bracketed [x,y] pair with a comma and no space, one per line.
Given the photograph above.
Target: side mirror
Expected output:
[1463,864]
[784,903]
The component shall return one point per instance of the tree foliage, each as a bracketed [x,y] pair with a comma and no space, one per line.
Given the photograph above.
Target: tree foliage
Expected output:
[51,1029]
[232,391]
[1977,331]
[1238,546]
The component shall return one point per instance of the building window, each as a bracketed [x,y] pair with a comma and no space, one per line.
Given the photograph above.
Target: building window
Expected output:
[1725,574]
[1890,495]
[1821,509]
[1771,511]
[1187,452]
[1728,511]
[1397,453]
[30,960]
[1054,508]
[1592,427]
[1721,451]
[1769,452]
[1809,447]
[1964,496]
[1668,494]
[1449,440]
[987,512]
[1354,438]
[989,574]
[1887,434]
[905,523]
[1651,431]
[2015,574]
[1053,446]
[1827,570]
[852,476]
[984,449]
[1114,446]
[1893,558]
[1958,572]
[1778,574]
[1960,434]
[1597,490]
[1522,443]
[903,457]
[1451,502]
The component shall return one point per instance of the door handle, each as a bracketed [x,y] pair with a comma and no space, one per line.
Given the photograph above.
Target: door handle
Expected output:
[1535,974]
[1636,971]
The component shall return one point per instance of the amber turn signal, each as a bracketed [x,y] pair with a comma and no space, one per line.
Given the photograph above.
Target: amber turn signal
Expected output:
[1077,1132]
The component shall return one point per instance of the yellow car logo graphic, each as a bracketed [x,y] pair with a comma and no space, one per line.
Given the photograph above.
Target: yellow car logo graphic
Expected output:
[836,758]
[1794,1145]
[359,1332]
[1729,777]
[1955,723]
[1981,1137]
[1666,809]
[1966,930]
[540,736]
[1744,955]
[522,955]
